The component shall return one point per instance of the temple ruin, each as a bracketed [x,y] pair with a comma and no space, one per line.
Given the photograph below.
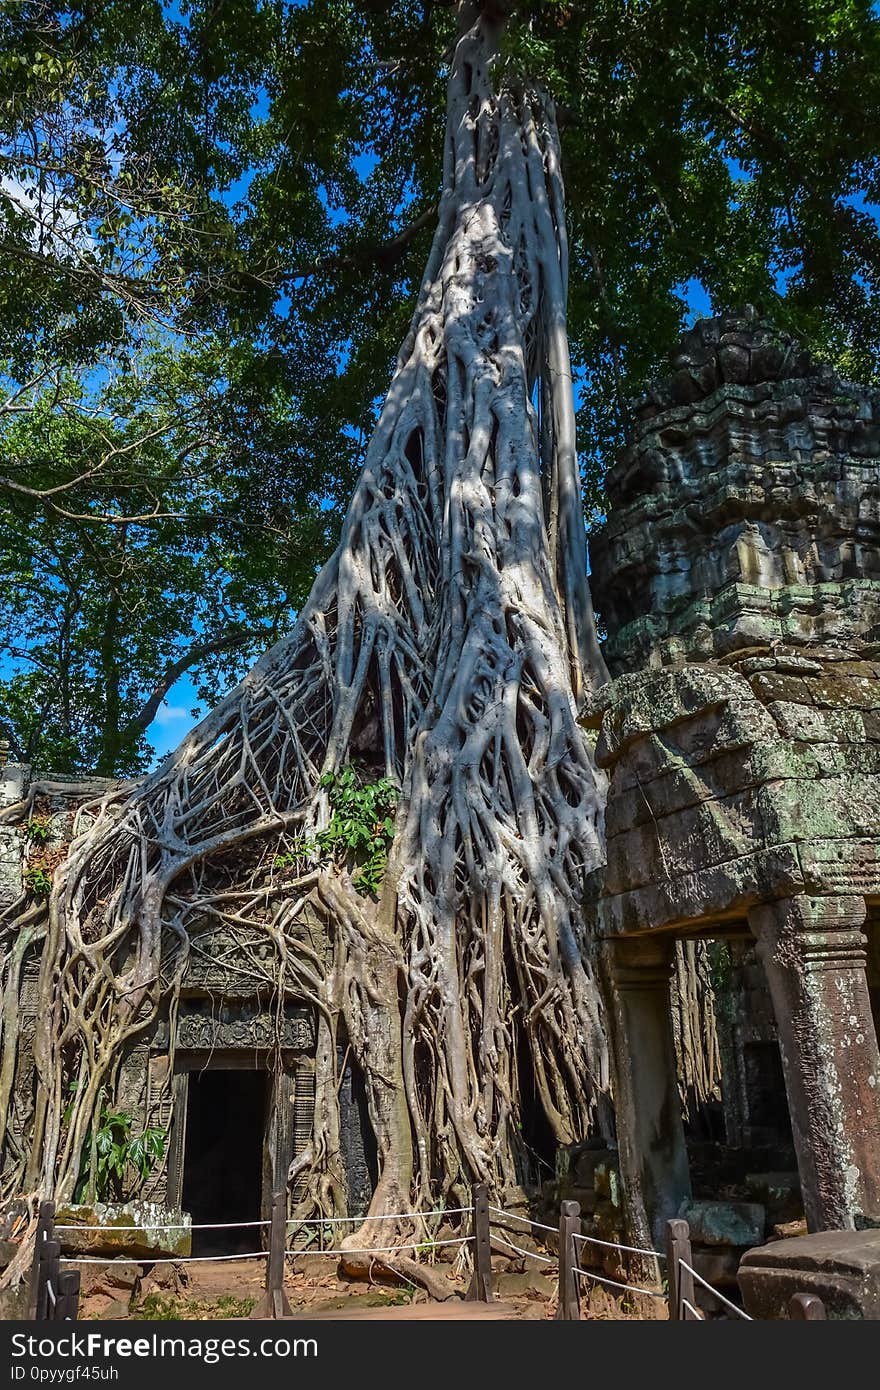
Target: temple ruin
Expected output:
[229,1083]
[738,581]
[738,576]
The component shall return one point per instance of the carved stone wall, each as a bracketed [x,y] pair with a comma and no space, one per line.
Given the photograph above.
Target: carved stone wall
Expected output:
[739,579]
[14,778]
[228,1016]
[746,509]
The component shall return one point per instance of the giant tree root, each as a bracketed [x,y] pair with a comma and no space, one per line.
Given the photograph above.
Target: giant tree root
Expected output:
[445,646]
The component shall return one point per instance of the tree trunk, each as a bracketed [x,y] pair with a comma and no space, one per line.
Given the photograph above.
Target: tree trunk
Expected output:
[446,646]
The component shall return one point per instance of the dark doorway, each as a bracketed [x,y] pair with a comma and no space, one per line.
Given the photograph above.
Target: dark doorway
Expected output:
[766,1096]
[223,1161]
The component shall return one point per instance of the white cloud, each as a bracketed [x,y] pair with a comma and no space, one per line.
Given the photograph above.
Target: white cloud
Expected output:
[173,714]
[53,219]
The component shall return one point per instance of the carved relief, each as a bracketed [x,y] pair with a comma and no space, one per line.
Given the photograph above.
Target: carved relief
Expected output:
[209,1024]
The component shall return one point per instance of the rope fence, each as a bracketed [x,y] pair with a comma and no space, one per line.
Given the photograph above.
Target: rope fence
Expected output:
[54,1291]
[615,1284]
[179,1226]
[630,1249]
[725,1302]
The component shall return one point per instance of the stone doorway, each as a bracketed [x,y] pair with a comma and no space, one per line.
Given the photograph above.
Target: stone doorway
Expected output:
[226,1113]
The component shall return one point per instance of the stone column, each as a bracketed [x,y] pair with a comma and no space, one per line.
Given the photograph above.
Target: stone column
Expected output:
[14,781]
[653,1160]
[813,952]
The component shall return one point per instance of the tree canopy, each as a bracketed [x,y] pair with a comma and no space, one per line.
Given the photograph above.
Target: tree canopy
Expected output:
[213,223]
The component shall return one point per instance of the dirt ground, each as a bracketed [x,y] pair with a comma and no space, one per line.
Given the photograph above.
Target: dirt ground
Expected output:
[230,1289]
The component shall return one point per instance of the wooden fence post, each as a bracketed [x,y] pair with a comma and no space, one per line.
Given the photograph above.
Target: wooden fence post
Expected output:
[50,1271]
[569,1306]
[807,1306]
[680,1281]
[68,1298]
[45,1231]
[480,1289]
[273,1303]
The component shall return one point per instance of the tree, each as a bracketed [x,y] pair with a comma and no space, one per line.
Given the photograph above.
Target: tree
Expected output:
[160,510]
[423,711]
[171,525]
[257,183]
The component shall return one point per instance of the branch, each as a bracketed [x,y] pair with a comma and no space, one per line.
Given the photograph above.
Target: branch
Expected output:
[382,253]
[144,718]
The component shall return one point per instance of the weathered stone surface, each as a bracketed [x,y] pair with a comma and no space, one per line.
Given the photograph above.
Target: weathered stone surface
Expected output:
[530,1283]
[588,1161]
[735,510]
[142,1229]
[725,1223]
[779,1194]
[171,1279]
[113,1278]
[840,1267]
[812,950]
[738,576]
[718,1265]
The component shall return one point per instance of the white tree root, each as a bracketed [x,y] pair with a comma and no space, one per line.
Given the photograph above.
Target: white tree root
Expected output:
[446,645]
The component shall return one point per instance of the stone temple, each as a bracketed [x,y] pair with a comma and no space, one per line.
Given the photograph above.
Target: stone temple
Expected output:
[738,576]
[736,922]
[236,1106]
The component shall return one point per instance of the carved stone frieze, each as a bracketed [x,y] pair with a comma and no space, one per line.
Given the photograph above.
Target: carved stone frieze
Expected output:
[209,1024]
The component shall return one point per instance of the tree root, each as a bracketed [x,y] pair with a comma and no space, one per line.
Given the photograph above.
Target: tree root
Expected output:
[445,646]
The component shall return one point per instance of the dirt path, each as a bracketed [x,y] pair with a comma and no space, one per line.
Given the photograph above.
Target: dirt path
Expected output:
[230,1289]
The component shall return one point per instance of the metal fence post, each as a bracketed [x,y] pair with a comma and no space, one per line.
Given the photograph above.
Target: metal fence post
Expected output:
[45,1231]
[68,1297]
[807,1306]
[480,1289]
[680,1281]
[274,1303]
[569,1306]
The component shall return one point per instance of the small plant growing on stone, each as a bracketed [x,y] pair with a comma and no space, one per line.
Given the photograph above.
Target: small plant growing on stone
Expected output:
[38,880]
[39,828]
[117,1151]
[361,826]
[300,849]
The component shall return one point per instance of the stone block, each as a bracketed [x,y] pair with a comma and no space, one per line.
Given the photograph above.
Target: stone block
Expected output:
[850,691]
[113,1279]
[586,1163]
[779,1194]
[769,686]
[585,1197]
[531,1283]
[789,1230]
[718,1265]
[607,1223]
[606,1181]
[801,722]
[840,1267]
[725,1223]
[142,1229]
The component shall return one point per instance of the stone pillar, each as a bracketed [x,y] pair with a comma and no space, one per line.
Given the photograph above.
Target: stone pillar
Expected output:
[654,1168]
[14,781]
[813,952]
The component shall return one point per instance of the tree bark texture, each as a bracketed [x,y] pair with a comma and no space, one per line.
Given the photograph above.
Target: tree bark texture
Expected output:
[446,646]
